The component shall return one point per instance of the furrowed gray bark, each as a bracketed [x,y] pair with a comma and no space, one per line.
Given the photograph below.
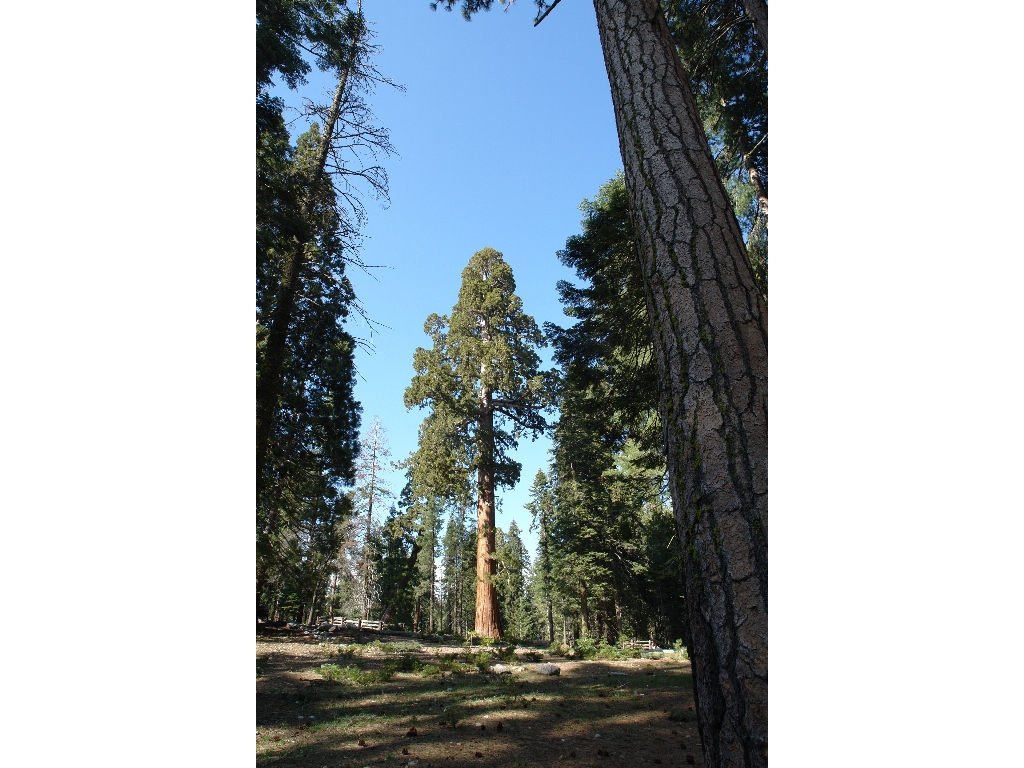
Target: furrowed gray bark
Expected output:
[710,333]
[757,12]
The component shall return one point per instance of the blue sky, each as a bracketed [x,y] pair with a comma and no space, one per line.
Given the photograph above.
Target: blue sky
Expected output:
[502,130]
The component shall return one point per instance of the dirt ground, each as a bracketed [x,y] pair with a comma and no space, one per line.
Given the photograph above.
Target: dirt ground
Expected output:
[595,713]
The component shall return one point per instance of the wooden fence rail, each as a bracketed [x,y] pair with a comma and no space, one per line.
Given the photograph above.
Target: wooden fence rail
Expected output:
[341,621]
[647,645]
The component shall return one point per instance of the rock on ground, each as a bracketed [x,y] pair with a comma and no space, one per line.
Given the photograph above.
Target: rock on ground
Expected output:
[547,669]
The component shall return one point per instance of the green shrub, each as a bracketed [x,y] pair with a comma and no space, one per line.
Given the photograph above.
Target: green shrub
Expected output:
[428,670]
[451,715]
[447,663]
[338,674]
[382,674]
[481,661]
[533,655]
[586,648]
[558,649]
[656,656]
[508,653]
[406,663]
[372,648]
[679,650]
[402,646]
[354,676]
[613,653]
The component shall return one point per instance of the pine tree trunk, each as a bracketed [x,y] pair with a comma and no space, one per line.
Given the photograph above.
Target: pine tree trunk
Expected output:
[757,12]
[488,623]
[312,606]
[431,613]
[711,342]
[584,613]
[753,175]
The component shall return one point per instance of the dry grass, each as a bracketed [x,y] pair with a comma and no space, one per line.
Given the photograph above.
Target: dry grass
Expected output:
[581,719]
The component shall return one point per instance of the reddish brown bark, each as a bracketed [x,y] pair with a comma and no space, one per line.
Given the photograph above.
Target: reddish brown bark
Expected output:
[488,620]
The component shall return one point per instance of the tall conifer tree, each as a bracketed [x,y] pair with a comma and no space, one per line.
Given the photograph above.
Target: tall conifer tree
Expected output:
[482,382]
[710,332]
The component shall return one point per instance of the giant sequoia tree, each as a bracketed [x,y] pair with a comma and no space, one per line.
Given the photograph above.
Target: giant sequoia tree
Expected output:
[710,334]
[481,381]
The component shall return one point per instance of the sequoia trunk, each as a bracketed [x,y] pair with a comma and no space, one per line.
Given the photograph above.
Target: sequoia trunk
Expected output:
[488,622]
[711,342]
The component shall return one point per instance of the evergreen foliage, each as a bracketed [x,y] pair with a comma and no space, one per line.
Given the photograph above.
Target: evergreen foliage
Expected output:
[542,585]
[314,439]
[487,345]
[458,566]
[607,554]
[511,582]
[396,583]
[482,384]
[606,358]
[428,610]
[307,233]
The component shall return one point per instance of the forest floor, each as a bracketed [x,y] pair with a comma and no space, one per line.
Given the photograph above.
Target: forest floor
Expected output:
[611,714]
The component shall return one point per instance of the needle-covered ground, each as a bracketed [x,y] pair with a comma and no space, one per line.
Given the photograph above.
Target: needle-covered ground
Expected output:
[395,702]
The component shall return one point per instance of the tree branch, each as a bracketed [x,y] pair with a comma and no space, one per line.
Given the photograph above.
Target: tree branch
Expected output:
[544,15]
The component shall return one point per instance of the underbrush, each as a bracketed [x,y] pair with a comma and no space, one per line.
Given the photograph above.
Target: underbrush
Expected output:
[388,649]
[451,715]
[376,648]
[481,661]
[441,666]
[586,648]
[356,676]
[679,651]
[559,649]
